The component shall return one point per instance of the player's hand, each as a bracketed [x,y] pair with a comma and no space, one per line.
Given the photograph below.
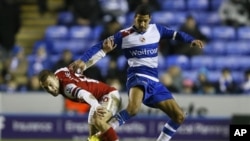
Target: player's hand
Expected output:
[100,111]
[197,43]
[77,66]
[103,113]
[108,45]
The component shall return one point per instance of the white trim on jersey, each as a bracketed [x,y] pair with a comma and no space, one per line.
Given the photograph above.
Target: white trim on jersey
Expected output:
[72,91]
[174,36]
[152,36]
[150,62]
[147,76]
[100,54]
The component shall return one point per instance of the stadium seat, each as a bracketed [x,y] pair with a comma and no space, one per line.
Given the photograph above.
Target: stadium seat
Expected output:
[121,62]
[80,32]
[230,62]
[243,33]
[238,76]
[56,32]
[206,30]
[215,4]
[38,44]
[76,46]
[198,62]
[238,48]
[103,65]
[207,18]
[96,32]
[54,58]
[223,32]
[65,18]
[34,68]
[213,76]
[194,5]
[216,47]
[169,18]
[243,62]
[178,60]
[190,74]
[170,5]
[129,19]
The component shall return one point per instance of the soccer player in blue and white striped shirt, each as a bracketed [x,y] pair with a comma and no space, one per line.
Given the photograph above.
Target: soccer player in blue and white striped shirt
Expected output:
[140,44]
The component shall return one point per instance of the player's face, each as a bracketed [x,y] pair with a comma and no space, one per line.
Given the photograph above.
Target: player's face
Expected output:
[51,85]
[141,22]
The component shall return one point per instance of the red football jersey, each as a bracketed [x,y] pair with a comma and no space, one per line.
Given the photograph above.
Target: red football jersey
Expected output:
[71,83]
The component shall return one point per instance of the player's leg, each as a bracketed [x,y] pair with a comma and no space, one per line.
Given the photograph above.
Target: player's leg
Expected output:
[133,107]
[111,102]
[107,132]
[177,116]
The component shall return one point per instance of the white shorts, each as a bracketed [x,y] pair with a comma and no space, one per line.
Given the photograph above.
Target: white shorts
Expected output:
[111,101]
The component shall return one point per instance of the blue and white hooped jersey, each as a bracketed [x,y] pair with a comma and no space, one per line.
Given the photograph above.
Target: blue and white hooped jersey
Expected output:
[141,49]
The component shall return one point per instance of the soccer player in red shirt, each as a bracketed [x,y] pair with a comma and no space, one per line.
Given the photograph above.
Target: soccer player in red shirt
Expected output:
[80,88]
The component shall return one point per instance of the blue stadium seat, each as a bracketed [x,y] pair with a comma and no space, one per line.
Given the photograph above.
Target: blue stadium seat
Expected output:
[80,32]
[223,32]
[178,60]
[198,62]
[121,62]
[65,18]
[194,5]
[174,5]
[238,76]
[190,74]
[34,68]
[243,33]
[103,64]
[206,30]
[169,18]
[216,47]
[55,58]
[76,46]
[238,48]
[243,62]
[213,76]
[129,19]
[207,18]
[56,32]
[231,62]
[215,4]
[38,44]
[96,32]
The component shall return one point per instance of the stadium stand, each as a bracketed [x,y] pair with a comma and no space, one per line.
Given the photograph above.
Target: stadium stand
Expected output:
[201,5]
[65,18]
[227,47]
[243,33]
[176,5]
[80,32]
[56,32]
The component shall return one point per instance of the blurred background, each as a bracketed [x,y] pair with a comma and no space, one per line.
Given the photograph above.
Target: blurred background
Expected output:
[212,84]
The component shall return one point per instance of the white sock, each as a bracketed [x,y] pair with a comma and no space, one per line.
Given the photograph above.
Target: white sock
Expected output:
[163,137]
[114,123]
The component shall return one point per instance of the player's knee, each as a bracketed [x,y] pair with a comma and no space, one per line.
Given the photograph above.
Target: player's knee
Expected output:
[132,111]
[179,118]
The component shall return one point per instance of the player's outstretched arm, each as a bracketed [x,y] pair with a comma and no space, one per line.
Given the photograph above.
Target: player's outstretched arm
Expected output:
[79,66]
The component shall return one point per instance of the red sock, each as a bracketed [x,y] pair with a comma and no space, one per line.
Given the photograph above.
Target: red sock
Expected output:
[109,135]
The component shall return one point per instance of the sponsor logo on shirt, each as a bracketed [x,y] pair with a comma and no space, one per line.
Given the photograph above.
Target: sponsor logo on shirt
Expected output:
[143,52]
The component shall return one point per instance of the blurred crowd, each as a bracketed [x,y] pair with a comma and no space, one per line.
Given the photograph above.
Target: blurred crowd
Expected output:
[19,70]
